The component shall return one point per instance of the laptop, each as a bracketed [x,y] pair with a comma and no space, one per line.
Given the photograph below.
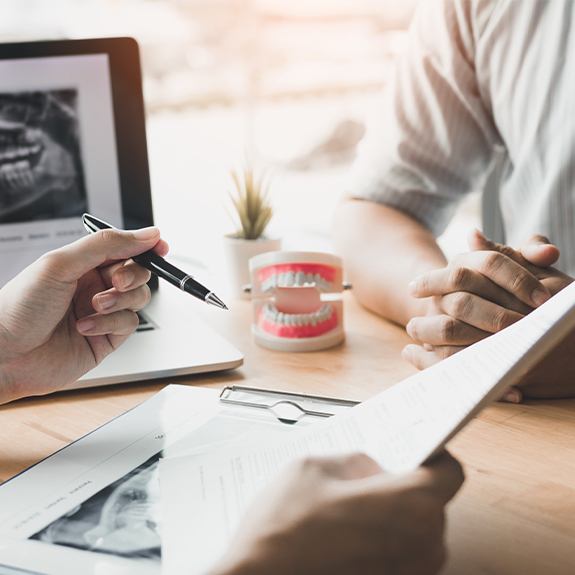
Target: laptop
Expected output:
[73,140]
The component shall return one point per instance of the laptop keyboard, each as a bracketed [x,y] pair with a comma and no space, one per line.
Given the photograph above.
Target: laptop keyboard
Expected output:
[144,323]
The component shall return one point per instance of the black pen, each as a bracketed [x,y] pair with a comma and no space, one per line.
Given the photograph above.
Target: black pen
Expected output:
[160,267]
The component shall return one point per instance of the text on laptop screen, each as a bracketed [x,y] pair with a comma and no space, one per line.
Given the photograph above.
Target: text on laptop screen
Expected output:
[57,154]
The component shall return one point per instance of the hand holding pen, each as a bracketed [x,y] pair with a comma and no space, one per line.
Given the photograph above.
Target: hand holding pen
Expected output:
[71,308]
[160,267]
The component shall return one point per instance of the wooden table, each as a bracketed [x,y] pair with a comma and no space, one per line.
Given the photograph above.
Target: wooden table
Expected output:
[516,512]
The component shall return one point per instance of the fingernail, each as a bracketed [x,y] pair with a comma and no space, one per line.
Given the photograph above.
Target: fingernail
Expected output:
[126,279]
[412,287]
[106,301]
[86,325]
[146,233]
[539,296]
[408,328]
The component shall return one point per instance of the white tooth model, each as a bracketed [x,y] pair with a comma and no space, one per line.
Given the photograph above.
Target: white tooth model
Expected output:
[297,300]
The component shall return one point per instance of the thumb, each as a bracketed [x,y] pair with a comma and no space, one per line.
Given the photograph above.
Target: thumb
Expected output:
[540,251]
[441,477]
[71,262]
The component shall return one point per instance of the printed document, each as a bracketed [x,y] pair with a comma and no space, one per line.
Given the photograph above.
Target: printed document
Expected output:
[204,497]
[94,507]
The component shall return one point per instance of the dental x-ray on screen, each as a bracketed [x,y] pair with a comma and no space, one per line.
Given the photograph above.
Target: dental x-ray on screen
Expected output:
[41,171]
[57,152]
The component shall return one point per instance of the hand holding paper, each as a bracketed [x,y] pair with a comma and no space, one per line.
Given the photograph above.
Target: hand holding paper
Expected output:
[344,515]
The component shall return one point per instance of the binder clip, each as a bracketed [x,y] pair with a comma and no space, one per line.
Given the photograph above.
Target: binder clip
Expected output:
[296,299]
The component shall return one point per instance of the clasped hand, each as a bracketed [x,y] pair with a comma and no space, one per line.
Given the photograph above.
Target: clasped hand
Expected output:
[482,292]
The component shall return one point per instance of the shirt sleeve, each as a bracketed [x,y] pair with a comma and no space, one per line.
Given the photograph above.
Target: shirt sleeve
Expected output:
[432,142]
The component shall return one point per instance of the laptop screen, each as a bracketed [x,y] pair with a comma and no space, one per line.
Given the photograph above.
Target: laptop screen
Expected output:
[58,155]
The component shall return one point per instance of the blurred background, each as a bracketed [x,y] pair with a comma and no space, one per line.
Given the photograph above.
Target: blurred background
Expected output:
[289,82]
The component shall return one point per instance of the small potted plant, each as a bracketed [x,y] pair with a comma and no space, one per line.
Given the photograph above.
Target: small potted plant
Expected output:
[253,212]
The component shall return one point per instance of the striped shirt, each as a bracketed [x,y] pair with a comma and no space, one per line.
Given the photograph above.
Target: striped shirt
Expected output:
[482,99]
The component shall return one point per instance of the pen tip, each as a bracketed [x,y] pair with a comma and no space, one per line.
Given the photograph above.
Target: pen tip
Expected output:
[213,299]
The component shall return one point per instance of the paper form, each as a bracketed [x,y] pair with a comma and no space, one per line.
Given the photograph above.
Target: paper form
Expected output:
[204,497]
[92,508]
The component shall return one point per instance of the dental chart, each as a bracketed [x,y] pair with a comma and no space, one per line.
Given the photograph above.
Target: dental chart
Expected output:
[205,497]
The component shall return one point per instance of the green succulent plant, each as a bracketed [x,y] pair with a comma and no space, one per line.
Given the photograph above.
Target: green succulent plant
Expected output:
[250,198]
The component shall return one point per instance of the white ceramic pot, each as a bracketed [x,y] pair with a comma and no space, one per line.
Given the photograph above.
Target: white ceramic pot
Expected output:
[238,252]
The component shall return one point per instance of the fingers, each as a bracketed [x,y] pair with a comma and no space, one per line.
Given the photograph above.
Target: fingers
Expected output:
[478,242]
[540,252]
[162,248]
[443,330]
[442,476]
[125,275]
[454,279]
[478,312]
[423,357]
[507,274]
[71,262]
[113,300]
[120,323]
[447,280]
[537,251]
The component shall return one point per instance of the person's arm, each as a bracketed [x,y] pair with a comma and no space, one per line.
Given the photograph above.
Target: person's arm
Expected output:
[67,311]
[430,145]
[383,250]
[344,515]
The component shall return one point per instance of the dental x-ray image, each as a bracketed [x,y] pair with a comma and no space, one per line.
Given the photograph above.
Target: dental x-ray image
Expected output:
[41,172]
[121,519]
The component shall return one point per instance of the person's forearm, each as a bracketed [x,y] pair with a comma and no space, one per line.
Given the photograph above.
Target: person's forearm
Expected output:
[384,250]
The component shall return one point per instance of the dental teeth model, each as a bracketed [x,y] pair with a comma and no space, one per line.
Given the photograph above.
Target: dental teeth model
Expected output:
[297,300]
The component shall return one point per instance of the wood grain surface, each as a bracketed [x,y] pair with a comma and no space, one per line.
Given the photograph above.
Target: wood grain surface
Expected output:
[516,511]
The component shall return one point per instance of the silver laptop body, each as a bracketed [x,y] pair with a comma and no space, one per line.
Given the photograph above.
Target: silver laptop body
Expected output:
[73,140]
